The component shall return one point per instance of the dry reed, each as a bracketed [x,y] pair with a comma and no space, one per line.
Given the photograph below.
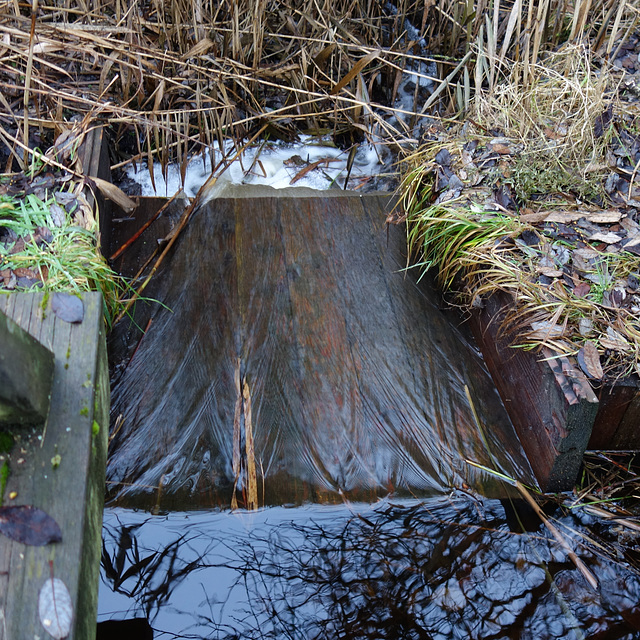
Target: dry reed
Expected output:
[171,78]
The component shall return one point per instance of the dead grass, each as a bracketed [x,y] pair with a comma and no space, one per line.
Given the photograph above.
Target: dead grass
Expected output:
[171,78]
[527,213]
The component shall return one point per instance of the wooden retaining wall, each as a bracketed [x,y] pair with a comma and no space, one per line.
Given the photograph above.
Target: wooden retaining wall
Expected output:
[59,468]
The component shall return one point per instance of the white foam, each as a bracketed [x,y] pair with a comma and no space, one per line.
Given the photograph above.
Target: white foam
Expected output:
[309,163]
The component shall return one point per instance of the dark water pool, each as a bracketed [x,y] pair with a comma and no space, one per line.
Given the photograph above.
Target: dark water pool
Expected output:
[435,569]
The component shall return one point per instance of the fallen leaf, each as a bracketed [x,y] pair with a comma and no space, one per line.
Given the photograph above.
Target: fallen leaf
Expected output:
[68,307]
[501,149]
[614,345]
[55,608]
[115,194]
[544,330]
[29,525]
[630,226]
[585,326]
[356,69]
[605,217]
[602,122]
[58,216]
[589,360]
[23,272]
[530,216]
[581,289]
[552,135]
[564,216]
[607,238]
[614,341]
[549,272]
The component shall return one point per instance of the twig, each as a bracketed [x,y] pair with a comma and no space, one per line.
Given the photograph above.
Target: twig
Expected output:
[588,576]
[144,227]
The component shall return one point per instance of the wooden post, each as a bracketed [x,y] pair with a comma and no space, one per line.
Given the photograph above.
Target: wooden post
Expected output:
[94,157]
[26,374]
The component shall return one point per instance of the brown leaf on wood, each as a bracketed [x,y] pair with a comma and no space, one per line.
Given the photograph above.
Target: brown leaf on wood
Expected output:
[589,360]
[115,194]
[29,525]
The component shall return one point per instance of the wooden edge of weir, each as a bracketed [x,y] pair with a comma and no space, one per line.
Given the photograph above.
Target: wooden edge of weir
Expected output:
[550,401]
[58,464]
[26,374]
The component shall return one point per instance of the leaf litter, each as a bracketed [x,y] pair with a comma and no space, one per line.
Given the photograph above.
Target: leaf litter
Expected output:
[500,204]
[29,525]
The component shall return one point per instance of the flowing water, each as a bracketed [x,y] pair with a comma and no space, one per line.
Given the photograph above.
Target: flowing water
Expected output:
[302,432]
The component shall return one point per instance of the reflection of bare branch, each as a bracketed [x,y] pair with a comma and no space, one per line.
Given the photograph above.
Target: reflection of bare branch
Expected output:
[149,579]
[400,572]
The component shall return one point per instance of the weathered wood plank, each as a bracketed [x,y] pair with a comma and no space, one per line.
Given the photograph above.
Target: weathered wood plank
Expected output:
[447,361]
[351,392]
[26,374]
[61,470]
[94,158]
[550,402]
[124,228]
[627,435]
[615,402]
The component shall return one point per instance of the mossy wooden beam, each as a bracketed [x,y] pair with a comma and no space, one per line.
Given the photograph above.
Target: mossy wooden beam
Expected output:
[26,374]
[59,469]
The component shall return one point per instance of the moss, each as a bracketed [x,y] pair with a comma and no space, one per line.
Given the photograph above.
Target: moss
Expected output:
[6,442]
[4,477]
[84,411]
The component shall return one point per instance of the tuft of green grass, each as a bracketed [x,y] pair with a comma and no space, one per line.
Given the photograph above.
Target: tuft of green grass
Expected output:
[67,259]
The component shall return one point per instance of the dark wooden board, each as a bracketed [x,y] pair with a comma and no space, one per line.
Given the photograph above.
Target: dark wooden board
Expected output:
[357,381]
[551,404]
[94,157]
[72,492]
[616,407]
[26,374]
[125,226]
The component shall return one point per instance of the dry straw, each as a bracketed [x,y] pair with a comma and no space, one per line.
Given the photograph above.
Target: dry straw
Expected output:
[546,114]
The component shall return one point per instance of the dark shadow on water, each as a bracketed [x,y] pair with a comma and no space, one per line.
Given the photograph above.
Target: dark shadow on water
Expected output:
[132,629]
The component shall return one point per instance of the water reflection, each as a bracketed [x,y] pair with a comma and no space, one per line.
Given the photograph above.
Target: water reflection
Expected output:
[439,569]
